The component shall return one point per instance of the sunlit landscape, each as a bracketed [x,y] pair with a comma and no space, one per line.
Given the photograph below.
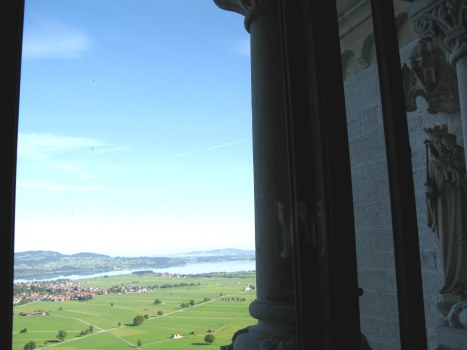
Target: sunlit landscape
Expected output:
[176,311]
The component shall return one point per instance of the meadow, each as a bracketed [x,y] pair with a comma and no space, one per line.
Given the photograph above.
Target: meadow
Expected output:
[217,305]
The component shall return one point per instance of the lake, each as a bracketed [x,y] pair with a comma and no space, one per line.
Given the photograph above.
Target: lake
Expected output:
[188,269]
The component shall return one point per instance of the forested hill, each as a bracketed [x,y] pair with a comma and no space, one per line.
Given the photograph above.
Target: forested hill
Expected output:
[40,262]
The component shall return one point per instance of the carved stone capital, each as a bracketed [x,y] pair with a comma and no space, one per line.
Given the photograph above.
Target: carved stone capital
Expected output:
[251,9]
[444,22]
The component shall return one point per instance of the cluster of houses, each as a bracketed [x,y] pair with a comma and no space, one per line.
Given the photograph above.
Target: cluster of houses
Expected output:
[70,290]
[64,290]
[33,313]
[53,291]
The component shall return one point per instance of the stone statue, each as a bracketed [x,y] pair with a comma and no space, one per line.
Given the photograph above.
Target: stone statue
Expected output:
[447,206]
[457,317]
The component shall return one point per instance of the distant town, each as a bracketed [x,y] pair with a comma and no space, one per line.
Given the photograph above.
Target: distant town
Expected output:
[63,290]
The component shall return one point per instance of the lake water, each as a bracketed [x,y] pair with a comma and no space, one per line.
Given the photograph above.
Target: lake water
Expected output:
[188,269]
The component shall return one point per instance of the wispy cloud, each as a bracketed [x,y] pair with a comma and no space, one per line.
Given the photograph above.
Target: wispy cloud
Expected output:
[239,47]
[201,150]
[62,152]
[57,187]
[41,145]
[44,38]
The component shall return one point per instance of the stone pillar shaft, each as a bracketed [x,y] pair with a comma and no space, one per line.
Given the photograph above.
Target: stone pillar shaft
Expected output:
[272,214]
[274,308]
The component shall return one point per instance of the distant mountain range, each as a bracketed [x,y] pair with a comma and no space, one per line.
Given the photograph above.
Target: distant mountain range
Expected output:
[43,262]
[47,255]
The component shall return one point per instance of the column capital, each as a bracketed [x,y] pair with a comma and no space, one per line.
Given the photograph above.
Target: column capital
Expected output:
[249,8]
[444,22]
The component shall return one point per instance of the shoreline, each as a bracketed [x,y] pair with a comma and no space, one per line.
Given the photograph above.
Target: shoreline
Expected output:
[188,269]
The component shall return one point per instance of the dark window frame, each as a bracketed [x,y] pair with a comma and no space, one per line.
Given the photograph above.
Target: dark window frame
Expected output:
[324,249]
[315,99]
[403,208]
[12,29]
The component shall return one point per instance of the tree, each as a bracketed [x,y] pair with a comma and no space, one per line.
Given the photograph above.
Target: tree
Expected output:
[30,346]
[157,301]
[61,335]
[209,338]
[138,320]
[159,313]
[91,328]
[192,302]
[140,343]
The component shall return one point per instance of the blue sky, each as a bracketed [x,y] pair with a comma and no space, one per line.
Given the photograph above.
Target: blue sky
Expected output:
[134,128]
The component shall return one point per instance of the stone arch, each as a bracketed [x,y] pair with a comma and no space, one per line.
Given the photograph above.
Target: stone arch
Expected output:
[405,34]
[368,55]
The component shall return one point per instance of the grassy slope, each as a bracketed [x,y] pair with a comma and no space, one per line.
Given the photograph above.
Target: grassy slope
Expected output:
[223,315]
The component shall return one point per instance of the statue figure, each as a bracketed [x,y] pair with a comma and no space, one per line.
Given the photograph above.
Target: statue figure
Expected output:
[446,191]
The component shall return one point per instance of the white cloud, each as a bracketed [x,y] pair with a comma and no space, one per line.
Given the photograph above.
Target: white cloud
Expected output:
[52,39]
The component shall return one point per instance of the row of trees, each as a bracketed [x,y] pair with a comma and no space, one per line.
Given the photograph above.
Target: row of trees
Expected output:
[61,335]
[88,330]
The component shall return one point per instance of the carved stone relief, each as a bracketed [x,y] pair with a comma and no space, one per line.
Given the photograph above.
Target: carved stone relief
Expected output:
[446,196]
[443,22]
[429,75]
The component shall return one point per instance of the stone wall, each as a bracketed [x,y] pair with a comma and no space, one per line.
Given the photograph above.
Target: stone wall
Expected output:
[375,252]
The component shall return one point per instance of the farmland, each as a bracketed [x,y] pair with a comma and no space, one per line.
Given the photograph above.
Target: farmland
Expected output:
[189,306]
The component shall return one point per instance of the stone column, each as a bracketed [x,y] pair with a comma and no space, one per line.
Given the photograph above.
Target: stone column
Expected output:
[274,308]
[444,22]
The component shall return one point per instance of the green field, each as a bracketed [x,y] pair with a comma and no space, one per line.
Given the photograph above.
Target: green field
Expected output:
[224,313]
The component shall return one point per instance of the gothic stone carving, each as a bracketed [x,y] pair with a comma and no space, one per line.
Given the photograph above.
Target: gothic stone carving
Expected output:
[444,21]
[430,76]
